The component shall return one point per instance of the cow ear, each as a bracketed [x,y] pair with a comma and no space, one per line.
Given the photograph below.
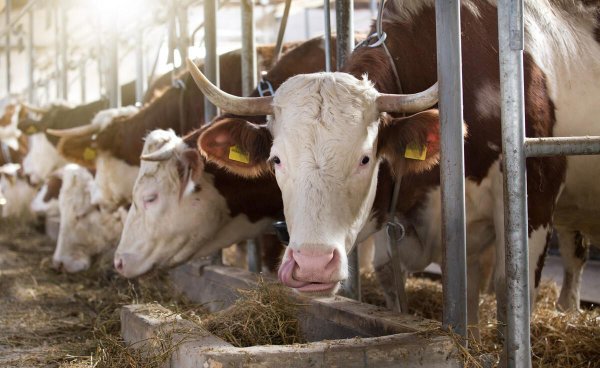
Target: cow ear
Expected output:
[190,167]
[411,144]
[238,146]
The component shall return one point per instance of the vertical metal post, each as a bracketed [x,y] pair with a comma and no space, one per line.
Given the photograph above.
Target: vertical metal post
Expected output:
[31,56]
[82,79]
[64,60]
[449,65]
[327,19]
[345,43]
[183,40]
[306,23]
[57,53]
[511,40]
[282,28]
[114,90]
[373,7]
[7,47]
[248,47]
[254,256]
[211,60]
[140,79]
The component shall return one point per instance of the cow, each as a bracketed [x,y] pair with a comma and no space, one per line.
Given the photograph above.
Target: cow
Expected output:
[16,193]
[148,241]
[45,202]
[329,144]
[77,243]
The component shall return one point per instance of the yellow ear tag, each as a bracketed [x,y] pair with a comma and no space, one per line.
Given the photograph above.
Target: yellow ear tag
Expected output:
[236,154]
[415,152]
[89,154]
[31,130]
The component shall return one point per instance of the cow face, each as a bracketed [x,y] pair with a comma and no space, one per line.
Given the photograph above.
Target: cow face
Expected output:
[42,158]
[17,194]
[175,208]
[328,139]
[45,202]
[85,229]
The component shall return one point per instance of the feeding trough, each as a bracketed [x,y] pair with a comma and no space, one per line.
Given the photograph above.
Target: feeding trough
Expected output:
[340,332]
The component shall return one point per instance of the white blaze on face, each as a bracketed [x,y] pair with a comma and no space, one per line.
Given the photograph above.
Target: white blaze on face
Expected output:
[324,153]
[85,229]
[42,158]
[176,209]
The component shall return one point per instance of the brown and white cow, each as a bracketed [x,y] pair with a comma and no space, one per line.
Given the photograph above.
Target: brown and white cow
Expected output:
[329,137]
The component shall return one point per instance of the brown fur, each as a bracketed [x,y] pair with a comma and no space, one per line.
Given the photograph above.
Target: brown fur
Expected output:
[54,183]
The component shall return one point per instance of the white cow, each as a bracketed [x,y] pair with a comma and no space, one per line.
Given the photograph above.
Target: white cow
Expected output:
[16,192]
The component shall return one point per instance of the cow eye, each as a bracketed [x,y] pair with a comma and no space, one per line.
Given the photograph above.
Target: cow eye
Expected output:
[149,198]
[276,160]
[365,160]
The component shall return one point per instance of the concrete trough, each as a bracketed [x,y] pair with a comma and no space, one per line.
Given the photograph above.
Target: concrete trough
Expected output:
[341,332]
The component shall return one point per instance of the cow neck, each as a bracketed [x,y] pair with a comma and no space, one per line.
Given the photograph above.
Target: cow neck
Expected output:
[66,118]
[256,198]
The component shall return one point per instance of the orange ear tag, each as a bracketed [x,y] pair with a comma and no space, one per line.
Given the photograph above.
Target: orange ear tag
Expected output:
[415,152]
[89,154]
[31,130]
[236,154]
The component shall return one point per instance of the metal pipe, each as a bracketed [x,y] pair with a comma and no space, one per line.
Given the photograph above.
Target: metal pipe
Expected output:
[449,64]
[345,43]
[306,23]
[248,48]
[82,80]
[7,14]
[327,18]
[64,60]
[31,56]
[561,146]
[282,28]
[253,256]
[56,15]
[184,40]
[511,39]
[139,69]
[114,91]
[211,60]
[373,7]
[344,18]
[14,19]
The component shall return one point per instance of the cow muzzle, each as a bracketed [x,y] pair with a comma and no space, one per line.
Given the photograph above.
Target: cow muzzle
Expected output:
[315,270]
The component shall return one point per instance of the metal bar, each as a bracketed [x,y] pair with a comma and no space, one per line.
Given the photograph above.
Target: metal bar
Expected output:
[31,56]
[306,23]
[7,14]
[344,18]
[561,146]
[327,19]
[373,7]
[82,79]
[248,48]
[211,60]
[64,45]
[14,19]
[56,15]
[510,34]
[449,64]
[114,91]
[139,69]
[344,10]
[253,256]
[183,40]
[282,28]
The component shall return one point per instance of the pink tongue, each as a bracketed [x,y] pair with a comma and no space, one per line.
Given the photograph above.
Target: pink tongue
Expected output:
[285,275]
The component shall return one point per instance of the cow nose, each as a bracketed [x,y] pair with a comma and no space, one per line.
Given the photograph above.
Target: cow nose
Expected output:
[57,264]
[316,263]
[119,264]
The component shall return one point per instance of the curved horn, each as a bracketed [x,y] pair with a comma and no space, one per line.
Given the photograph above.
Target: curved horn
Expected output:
[250,106]
[412,103]
[37,110]
[74,132]
[164,153]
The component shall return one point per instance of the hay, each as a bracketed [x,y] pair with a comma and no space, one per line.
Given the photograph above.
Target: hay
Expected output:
[263,315]
[53,319]
[558,339]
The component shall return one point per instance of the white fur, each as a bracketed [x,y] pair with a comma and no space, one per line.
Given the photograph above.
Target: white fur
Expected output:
[105,117]
[16,192]
[327,195]
[114,181]
[84,229]
[39,207]
[170,230]
[42,158]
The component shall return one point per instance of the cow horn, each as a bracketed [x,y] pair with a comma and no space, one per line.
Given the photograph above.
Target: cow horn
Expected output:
[250,106]
[408,103]
[79,131]
[37,110]
[164,153]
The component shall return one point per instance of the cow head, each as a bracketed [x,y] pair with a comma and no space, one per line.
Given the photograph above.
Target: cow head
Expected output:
[85,229]
[171,193]
[328,137]
[45,202]
[42,158]
[16,192]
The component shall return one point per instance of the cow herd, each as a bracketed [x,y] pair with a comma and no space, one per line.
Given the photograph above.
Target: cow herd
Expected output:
[158,186]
